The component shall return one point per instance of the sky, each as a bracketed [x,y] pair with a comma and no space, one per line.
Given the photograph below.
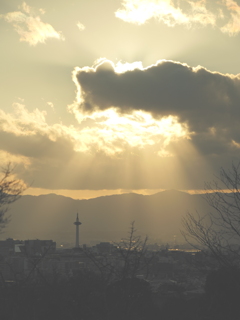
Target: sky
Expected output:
[113,96]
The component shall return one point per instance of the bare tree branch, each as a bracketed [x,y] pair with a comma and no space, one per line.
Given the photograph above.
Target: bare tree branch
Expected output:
[219,229]
[10,191]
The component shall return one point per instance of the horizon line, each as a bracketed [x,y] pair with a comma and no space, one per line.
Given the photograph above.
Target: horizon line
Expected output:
[92,194]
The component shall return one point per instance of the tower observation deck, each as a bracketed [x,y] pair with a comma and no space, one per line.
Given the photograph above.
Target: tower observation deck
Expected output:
[77,224]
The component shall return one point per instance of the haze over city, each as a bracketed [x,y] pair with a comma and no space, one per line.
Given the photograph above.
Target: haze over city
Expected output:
[109,97]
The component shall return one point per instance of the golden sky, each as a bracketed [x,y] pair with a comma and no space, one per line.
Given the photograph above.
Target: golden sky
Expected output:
[114,96]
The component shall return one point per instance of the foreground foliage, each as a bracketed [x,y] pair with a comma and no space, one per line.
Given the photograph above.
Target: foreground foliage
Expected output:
[86,297]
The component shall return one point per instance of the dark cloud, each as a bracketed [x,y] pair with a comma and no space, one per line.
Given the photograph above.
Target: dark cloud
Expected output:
[36,146]
[198,97]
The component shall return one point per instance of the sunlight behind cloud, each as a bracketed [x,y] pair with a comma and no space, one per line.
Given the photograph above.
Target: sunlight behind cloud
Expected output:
[113,131]
[110,132]
[122,67]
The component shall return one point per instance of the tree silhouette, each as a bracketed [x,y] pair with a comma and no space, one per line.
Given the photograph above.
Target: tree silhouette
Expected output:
[10,190]
[218,230]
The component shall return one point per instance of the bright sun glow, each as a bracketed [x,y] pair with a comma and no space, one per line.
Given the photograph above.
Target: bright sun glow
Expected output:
[123,67]
[110,132]
[114,131]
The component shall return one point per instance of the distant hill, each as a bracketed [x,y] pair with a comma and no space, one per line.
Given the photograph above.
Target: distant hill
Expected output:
[105,218]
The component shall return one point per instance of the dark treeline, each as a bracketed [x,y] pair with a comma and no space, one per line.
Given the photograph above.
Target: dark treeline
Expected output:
[87,296]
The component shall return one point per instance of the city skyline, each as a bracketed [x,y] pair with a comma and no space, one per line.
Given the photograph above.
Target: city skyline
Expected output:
[112,97]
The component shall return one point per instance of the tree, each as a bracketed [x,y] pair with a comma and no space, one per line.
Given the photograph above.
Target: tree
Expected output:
[132,256]
[132,251]
[126,296]
[10,190]
[218,230]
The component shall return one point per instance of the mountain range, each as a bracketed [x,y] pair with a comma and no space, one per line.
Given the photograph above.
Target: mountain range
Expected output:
[107,218]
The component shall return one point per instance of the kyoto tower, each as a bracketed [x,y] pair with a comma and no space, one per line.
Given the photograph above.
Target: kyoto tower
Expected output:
[77,224]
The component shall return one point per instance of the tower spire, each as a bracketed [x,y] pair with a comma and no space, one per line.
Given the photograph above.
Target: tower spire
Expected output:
[77,224]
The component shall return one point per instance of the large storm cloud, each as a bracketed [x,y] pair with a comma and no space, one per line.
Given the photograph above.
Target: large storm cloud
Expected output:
[202,99]
[131,149]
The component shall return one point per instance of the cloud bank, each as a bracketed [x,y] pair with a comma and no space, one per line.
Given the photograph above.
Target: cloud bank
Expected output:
[60,156]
